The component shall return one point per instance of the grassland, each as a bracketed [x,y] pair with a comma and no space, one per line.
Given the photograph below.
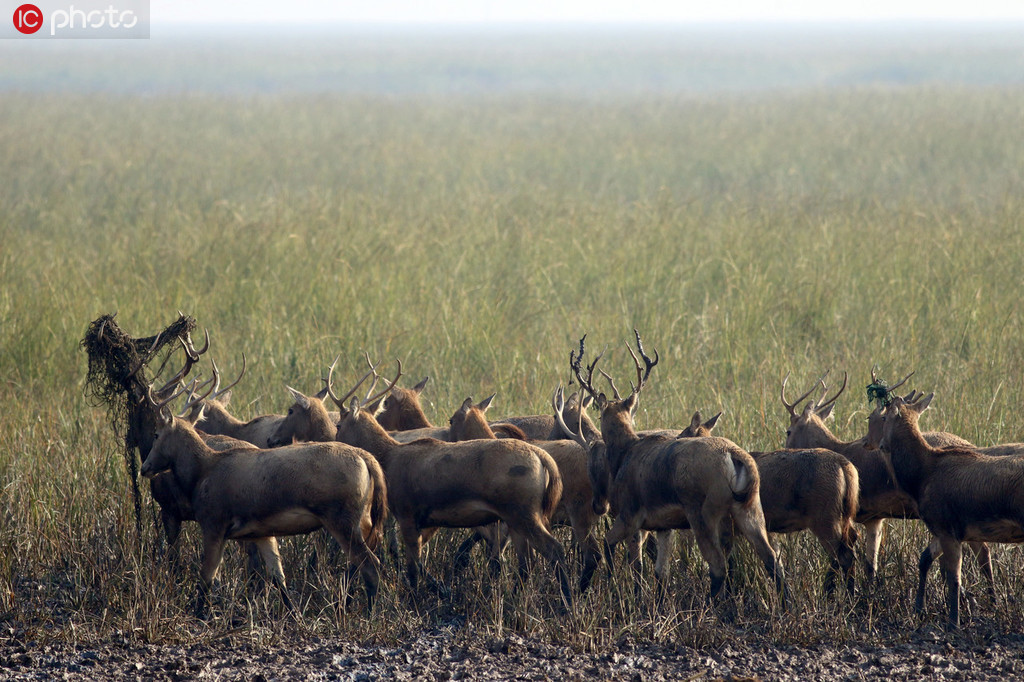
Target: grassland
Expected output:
[476,237]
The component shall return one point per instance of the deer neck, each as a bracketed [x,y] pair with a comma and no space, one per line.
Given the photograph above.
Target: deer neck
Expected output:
[590,432]
[415,419]
[321,427]
[819,436]
[216,414]
[367,434]
[619,436]
[911,456]
[192,460]
[477,428]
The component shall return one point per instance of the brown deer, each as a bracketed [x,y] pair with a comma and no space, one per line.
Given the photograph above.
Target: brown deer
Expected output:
[546,427]
[215,420]
[806,489]
[961,494]
[660,483]
[880,497]
[434,484]
[937,439]
[308,418]
[403,416]
[574,509]
[252,494]
[173,502]
[401,413]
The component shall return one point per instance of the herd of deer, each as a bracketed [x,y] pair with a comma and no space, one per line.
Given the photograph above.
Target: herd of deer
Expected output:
[512,479]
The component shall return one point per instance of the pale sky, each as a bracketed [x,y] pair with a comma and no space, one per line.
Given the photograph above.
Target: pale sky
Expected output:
[572,11]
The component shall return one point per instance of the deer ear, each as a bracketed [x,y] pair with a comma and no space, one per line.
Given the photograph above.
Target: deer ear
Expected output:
[922,404]
[321,394]
[486,402]
[225,397]
[587,400]
[631,402]
[466,404]
[710,424]
[695,420]
[196,414]
[164,418]
[825,413]
[420,386]
[299,398]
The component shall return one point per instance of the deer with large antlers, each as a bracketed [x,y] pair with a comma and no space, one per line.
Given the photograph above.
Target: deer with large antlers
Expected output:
[575,508]
[308,418]
[402,415]
[217,421]
[880,497]
[961,494]
[173,502]
[659,483]
[434,484]
[253,494]
[938,439]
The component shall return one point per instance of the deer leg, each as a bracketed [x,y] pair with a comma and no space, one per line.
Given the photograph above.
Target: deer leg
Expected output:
[583,532]
[983,554]
[846,558]
[213,552]
[497,536]
[663,566]
[540,539]
[928,556]
[461,559]
[709,543]
[172,529]
[635,551]
[751,525]
[267,549]
[951,561]
[872,542]
[413,546]
[361,558]
[616,534]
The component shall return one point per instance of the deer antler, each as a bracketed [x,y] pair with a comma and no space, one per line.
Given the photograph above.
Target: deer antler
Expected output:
[340,402]
[791,407]
[642,374]
[163,402]
[190,350]
[217,390]
[387,390]
[820,406]
[612,383]
[575,362]
[558,403]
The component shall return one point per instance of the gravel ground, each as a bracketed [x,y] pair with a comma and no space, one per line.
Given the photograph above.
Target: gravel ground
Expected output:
[456,654]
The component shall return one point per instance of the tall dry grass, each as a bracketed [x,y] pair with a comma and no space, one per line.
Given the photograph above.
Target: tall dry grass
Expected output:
[477,238]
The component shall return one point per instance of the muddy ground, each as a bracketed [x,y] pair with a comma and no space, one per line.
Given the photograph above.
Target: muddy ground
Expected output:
[456,653]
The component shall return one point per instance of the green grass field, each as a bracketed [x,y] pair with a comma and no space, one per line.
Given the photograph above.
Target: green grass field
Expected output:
[747,235]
